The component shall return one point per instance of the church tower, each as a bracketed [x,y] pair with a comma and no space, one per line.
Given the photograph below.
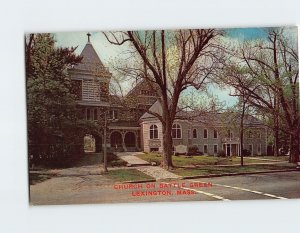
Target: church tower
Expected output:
[90,80]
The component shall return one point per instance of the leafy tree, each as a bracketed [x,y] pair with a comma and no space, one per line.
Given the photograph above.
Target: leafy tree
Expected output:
[53,118]
[267,73]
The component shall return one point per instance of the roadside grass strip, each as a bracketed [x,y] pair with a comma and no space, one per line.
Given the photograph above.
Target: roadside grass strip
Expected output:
[252,191]
[201,192]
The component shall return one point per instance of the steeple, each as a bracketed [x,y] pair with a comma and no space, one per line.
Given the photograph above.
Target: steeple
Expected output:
[91,62]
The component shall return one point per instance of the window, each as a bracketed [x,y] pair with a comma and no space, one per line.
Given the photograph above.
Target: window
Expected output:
[215,133]
[259,149]
[113,114]
[229,134]
[189,134]
[205,149]
[176,131]
[250,134]
[95,114]
[215,149]
[194,133]
[91,90]
[258,134]
[153,132]
[250,148]
[147,93]
[88,114]
[205,133]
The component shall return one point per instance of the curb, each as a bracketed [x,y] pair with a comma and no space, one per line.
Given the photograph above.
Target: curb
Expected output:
[212,175]
[237,174]
[138,181]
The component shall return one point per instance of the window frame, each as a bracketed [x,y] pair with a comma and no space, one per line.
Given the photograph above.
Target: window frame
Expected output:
[95,111]
[152,130]
[195,133]
[205,145]
[205,130]
[216,131]
[176,131]
[216,152]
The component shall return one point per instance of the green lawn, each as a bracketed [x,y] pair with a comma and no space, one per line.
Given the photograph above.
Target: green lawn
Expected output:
[282,158]
[209,170]
[182,160]
[123,175]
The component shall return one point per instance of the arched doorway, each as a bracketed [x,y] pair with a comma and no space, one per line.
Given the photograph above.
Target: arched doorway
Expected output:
[130,139]
[116,140]
[89,143]
[92,144]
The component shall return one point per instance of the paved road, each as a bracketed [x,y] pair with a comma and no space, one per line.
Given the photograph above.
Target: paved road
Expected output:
[95,189]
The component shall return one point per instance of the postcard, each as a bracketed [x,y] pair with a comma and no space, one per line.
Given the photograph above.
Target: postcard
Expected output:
[163,115]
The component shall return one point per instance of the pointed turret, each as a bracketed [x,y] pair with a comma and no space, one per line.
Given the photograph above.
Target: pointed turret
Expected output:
[91,62]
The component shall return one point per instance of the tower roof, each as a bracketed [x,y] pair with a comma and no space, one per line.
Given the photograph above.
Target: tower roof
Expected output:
[90,61]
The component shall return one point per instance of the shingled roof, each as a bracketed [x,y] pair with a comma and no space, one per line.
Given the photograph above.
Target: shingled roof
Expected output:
[200,117]
[90,61]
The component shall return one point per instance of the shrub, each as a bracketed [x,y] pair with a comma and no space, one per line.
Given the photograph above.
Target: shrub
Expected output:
[246,152]
[221,153]
[194,150]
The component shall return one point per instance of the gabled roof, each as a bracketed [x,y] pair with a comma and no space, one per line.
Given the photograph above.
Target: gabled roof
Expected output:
[156,108]
[90,60]
[213,118]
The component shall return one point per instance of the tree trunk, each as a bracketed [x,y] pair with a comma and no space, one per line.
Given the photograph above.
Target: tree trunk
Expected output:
[167,162]
[276,141]
[294,147]
[242,147]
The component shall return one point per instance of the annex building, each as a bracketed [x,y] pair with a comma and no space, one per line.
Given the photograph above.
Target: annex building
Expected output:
[131,128]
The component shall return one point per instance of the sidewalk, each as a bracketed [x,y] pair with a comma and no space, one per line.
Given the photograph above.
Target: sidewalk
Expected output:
[156,172]
[131,159]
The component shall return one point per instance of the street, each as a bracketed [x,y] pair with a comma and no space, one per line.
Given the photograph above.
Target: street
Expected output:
[97,189]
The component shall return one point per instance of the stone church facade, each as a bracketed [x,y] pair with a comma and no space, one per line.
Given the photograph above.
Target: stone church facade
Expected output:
[131,128]
[211,133]
[90,81]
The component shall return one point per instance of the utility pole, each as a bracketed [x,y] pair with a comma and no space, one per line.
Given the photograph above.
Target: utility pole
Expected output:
[105,146]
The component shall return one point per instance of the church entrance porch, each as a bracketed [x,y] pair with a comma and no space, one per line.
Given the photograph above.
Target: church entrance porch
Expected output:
[116,140]
[92,143]
[231,149]
[130,140]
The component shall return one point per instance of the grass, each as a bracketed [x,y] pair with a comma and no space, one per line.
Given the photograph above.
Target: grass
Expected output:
[123,175]
[281,158]
[209,170]
[182,160]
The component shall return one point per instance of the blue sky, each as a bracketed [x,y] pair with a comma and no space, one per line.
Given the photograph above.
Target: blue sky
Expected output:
[246,33]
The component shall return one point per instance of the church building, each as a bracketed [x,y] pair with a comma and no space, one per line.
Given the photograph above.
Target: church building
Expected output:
[131,128]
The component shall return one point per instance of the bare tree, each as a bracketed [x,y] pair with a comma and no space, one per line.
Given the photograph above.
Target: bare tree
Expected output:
[170,61]
[267,72]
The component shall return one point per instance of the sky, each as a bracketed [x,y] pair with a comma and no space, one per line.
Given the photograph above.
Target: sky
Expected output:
[108,52]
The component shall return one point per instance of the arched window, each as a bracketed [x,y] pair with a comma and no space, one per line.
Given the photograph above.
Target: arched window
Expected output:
[176,131]
[153,132]
[194,133]
[215,133]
